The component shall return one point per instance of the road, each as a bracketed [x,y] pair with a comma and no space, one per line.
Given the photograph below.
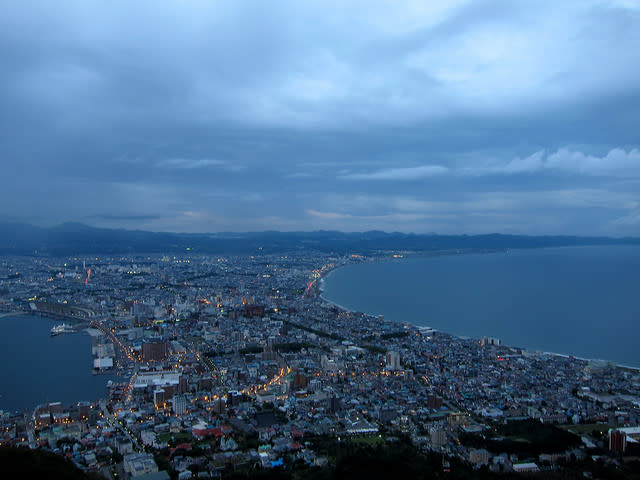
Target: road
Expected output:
[115,422]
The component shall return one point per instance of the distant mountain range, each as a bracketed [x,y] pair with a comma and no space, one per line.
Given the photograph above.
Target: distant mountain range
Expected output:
[76,239]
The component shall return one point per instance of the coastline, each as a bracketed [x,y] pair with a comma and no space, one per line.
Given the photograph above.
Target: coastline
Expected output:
[326,300]
[323,298]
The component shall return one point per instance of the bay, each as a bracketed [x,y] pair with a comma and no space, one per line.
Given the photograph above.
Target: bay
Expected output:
[36,368]
[581,301]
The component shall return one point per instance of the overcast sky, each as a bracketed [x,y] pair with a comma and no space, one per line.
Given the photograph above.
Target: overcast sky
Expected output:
[205,116]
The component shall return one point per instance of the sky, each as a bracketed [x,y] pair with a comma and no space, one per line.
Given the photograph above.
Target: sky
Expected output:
[429,117]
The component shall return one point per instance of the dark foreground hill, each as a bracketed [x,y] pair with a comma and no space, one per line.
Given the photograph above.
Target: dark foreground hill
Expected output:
[364,458]
[39,464]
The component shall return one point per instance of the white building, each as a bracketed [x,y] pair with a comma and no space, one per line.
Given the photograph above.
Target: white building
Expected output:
[525,467]
[179,404]
[393,360]
[139,464]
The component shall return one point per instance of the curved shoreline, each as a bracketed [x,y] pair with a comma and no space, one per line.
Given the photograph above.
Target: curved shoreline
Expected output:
[323,298]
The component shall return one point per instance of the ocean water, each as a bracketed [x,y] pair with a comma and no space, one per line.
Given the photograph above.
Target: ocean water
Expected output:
[36,368]
[582,301]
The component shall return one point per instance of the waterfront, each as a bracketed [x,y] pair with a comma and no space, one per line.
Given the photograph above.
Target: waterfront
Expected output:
[207,368]
[37,367]
[576,300]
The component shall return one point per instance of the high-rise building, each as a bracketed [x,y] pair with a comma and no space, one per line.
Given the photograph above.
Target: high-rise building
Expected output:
[158,398]
[393,360]
[154,350]
[438,437]
[219,405]
[234,398]
[434,401]
[251,311]
[179,405]
[300,381]
[617,441]
[83,409]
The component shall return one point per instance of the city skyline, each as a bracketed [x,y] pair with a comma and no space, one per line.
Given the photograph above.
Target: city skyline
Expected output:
[453,118]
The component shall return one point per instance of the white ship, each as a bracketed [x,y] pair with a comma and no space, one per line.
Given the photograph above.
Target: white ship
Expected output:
[62,328]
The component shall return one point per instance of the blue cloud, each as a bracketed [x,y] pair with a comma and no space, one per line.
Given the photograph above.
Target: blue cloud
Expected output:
[462,116]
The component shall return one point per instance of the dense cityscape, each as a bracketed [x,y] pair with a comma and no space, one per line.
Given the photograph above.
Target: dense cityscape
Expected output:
[237,365]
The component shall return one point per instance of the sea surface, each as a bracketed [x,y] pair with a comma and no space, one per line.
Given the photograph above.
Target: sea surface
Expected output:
[36,368]
[581,301]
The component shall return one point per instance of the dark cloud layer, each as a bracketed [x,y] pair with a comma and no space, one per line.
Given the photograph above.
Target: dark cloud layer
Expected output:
[422,116]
